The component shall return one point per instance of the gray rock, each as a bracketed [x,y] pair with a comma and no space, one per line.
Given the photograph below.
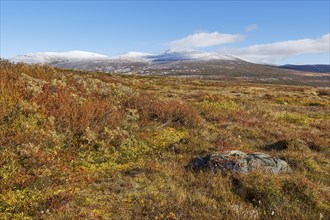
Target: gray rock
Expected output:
[239,162]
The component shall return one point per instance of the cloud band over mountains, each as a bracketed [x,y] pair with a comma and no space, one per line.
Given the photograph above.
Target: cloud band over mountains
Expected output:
[255,53]
[204,39]
[279,50]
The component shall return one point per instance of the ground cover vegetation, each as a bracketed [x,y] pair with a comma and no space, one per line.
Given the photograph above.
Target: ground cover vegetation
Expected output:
[85,145]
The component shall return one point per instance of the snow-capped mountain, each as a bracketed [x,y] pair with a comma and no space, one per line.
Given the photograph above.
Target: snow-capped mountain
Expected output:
[173,55]
[168,62]
[133,57]
[137,62]
[175,63]
[167,56]
[51,57]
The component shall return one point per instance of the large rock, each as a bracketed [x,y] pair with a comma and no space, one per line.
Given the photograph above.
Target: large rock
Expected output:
[239,162]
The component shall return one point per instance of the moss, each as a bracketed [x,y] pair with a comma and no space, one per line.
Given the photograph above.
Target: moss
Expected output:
[214,110]
[312,165]
[165,137]
[132,149]
[294,118]
[226,105]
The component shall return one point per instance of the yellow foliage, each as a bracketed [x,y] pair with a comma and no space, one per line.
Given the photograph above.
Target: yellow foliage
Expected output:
[162,138]
[294,118]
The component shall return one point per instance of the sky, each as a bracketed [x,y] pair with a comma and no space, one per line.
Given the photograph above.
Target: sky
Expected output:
[276,32]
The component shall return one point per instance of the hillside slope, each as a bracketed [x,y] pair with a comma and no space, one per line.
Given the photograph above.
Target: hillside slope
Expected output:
[183,64]
[85,145]
[308,68]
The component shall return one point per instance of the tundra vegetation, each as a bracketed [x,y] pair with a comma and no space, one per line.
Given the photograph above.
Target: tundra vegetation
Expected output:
[85,145]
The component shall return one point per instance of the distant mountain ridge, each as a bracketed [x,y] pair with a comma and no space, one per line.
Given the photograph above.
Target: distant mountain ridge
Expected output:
[193,64]
[318,68]
[167,56]
[172,55]
[50,57]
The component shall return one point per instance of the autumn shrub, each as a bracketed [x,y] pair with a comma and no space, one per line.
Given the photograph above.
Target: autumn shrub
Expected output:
[301,102]
[77,116]
[304,194]
[323,92]
[276,196]
[217,108]
[152,108]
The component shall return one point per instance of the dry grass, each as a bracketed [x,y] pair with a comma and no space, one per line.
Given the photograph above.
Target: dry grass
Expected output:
[76,145]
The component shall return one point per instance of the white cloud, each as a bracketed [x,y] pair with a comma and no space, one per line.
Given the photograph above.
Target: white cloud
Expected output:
[251,27]
[205,39]
[264,53]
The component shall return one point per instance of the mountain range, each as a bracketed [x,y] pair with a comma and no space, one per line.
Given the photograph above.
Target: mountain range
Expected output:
[183,63]
[318,68]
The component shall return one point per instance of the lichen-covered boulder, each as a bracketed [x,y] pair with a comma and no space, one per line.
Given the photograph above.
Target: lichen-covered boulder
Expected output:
[239,162]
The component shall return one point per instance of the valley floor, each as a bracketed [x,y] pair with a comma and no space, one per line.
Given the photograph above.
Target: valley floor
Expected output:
[82,145]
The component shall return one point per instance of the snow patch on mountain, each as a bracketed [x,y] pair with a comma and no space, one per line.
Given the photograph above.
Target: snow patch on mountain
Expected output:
[133,57]
[180,55]
[50,57]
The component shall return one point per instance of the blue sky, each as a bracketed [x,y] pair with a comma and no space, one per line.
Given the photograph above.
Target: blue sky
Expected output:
[260,31]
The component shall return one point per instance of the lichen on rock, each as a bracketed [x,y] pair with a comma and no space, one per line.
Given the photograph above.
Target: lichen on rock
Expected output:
[239,162]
